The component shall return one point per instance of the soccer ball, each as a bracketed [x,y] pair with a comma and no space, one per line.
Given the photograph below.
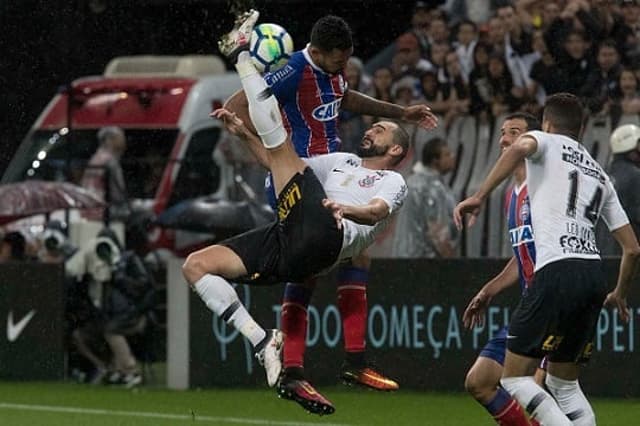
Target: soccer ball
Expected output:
[270,47]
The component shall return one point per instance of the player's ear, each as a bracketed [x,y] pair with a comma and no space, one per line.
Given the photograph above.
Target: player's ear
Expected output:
[396,150]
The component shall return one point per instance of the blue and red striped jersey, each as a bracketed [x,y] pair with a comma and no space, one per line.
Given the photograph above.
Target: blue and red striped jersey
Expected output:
[310,102]
[521,233]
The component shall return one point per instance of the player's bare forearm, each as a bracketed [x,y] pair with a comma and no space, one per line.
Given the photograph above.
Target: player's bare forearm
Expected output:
[368,214]
[506,164]
[505,279]
[360,103]
[630,261]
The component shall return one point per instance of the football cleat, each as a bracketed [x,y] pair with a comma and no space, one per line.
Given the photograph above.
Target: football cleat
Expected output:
[305,394]
[239,37]
[269,355]
[367,376]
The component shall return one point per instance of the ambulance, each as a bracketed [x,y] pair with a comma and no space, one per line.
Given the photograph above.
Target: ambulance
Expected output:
[163,104]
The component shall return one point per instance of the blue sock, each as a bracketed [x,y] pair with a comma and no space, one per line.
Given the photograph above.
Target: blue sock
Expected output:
[499,402]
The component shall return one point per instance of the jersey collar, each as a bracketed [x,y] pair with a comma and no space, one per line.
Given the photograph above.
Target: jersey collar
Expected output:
[307,56]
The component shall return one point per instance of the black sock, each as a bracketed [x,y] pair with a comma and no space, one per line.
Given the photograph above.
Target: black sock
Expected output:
[294,373]
[355,359]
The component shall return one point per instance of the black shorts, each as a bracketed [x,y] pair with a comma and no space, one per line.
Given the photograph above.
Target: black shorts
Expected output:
[301,243]
[559,313]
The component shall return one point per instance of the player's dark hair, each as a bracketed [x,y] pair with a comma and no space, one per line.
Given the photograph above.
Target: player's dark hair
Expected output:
[331,32]
[432,149]
[401,137]
[532,122]
[565,113]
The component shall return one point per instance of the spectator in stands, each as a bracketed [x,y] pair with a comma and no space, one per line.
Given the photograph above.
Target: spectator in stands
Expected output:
[627,98]
[438,31]
[455,90]
[625,170]
[601,84]
[495,35]
[432,93]
[495,92]
[352,125]
[573,60]
[437,58]
[478,79]
[403,91]
[381,84]
[466,40]
[13,247]
[478,11]
[518,36]
[626,31]
[544,72]
[105,166]
[408,59]
[425,226]
[420,25]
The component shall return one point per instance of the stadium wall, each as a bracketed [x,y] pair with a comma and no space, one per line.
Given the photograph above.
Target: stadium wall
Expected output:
[415,331]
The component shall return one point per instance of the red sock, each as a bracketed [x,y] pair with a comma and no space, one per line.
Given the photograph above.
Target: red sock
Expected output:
[352,304]
[512,415]
[294,324]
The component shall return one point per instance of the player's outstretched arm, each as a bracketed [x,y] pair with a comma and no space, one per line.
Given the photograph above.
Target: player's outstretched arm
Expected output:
[237,127]
[474,314]
[629,265]
[367,214]
[360,103]
[510,159]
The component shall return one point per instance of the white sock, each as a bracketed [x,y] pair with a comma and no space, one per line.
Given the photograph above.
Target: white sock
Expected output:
[535,400]
[571,400]
[263,106]
[222,299]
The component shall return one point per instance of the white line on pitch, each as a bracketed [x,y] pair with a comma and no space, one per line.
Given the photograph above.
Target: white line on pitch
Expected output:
[236,420]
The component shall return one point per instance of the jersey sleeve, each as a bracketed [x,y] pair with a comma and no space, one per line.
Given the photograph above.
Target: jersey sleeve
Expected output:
[542,144]
[612,212]
[393,191]
[283,83]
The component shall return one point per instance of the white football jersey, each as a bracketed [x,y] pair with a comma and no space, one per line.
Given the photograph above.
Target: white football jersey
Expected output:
[347,182]
[568,192]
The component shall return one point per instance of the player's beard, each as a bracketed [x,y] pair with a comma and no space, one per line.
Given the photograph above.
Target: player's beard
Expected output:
[371,151]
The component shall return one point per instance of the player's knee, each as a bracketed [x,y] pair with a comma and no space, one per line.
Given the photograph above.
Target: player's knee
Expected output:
[194,268]
[477,387]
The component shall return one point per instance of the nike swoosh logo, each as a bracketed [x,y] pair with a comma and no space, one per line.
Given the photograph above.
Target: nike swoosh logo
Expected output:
[338,170]
[15,329]
[509,336]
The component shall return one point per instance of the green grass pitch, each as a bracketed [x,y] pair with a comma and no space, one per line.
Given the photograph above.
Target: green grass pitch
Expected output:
[36,404]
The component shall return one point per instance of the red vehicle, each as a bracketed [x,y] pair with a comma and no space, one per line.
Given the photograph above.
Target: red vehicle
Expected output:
[163,104]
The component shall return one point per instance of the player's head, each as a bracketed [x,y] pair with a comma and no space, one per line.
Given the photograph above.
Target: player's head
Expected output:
[331,44]
[437,155]
[563,114]
[385,138]
[514,125]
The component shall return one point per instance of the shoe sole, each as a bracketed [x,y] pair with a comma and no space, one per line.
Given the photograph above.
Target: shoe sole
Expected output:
[313,407]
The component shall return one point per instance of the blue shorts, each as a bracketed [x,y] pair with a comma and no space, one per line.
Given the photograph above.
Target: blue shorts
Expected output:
[496,347]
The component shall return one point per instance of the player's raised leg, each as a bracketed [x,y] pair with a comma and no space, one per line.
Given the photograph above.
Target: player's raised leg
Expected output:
[263,106]
[207,271]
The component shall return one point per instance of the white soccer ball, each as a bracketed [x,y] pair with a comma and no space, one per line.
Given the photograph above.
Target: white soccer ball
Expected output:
[270,47]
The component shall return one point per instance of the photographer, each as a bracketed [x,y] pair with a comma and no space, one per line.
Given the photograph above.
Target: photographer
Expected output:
[121,290]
